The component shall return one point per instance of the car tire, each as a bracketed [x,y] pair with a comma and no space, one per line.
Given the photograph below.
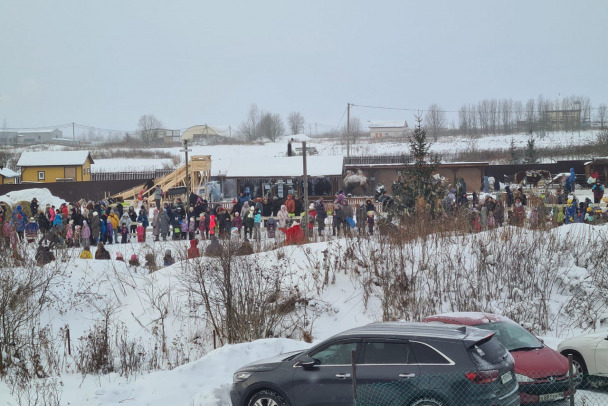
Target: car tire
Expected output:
[426,402]
[579,365]
[267,397]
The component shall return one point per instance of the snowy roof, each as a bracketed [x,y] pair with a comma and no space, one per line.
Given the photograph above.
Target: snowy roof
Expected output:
[42,130]
[54,158]
[387,124]
[8,173]
[278,167]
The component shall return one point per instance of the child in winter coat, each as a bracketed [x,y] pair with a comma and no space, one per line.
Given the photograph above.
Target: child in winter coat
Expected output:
[191,228]
[141,232]
[168,259]
[85,234]
[271,227]
[124,233]
[184,228]
[134,261]
[193,251]
[257,224]
[31,230]
[119,256]
[370,222]
[237,222]
[212,224]
[86,253]
[69,234]
[102,231]
[77,236]
[202,227]
[109,231]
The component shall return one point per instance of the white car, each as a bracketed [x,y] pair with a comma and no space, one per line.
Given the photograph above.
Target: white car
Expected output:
[589,353]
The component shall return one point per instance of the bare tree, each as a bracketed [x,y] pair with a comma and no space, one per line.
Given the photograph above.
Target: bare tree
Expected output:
[463,120]
[296,122]
[435,120]
[250,127]
[271,126]
[506,107]
[149,128]
[518,111]
[602,114]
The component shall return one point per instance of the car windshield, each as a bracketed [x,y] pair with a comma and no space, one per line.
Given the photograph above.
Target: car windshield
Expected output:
[512,336]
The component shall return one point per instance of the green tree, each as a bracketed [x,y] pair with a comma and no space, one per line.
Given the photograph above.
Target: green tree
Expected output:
[531,153]
[419,179]
[514,153]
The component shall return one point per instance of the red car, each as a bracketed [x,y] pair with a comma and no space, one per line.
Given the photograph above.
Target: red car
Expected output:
[542,373]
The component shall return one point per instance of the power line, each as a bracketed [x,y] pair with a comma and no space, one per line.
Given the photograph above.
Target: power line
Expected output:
[524,110]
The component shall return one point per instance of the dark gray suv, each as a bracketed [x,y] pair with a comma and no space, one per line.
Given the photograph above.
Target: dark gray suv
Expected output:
[409,364]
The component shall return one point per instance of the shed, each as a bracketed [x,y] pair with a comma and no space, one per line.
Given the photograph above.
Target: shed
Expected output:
[55,166]
[8,176]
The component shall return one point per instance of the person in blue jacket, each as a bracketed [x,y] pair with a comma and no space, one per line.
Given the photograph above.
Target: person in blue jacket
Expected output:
[18,219]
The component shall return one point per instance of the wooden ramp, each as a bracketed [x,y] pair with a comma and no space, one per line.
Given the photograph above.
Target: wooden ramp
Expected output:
[199,168]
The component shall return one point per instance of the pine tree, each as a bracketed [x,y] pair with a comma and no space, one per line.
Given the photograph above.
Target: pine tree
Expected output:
[513,152]
[531,155]
[417,180]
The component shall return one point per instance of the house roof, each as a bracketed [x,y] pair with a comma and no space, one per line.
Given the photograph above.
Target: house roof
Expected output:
[8,173]
[54,158]
[388,124]
[278,167]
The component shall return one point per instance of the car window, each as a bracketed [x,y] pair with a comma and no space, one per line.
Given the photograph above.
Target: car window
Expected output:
[335,354]
[491,351]
[512,336]
[387,353]
[425,354]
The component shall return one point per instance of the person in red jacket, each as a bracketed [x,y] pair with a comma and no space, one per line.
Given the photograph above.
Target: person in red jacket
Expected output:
[290,204]
[193,251]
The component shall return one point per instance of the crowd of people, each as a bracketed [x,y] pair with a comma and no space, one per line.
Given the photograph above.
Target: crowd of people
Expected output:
[489,209]
[85,224]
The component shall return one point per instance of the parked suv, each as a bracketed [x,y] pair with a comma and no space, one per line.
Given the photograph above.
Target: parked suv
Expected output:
[416,364]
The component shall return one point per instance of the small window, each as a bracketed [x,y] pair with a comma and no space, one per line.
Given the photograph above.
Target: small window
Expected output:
[40,175]
[388,353]
[426,354]
[335,354]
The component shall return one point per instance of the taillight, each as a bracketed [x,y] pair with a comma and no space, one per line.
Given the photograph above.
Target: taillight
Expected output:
[481,377]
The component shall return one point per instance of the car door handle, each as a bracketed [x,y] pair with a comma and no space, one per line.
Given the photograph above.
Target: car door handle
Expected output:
[342,376]
[407,375]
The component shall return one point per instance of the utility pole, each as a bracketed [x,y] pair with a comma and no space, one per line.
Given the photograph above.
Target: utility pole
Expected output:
[230,130]
[348,129]
[306,229]
[187,168]
[73,132]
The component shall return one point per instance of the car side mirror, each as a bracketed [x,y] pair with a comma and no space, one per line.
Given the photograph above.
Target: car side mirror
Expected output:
[541,340]
[307,362]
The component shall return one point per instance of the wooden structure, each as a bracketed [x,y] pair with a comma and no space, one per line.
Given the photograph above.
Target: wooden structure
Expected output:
[55,166]
[199,171]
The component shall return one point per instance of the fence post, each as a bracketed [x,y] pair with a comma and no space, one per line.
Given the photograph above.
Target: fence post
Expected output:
[353,359]
[570,380]
[67,331]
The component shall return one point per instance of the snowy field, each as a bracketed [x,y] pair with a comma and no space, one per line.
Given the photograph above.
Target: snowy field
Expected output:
[221,155]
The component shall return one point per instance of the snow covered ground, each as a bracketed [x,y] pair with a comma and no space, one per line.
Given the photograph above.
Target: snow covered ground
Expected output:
[222,154]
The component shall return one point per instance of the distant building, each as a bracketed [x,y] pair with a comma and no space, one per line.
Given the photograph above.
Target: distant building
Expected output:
[8,176]
[9,137]
[200,132]
[170,137]
[383,129]
[55,166]
[39,136]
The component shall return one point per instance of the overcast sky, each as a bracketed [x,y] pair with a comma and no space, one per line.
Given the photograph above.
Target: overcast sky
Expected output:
[105,63]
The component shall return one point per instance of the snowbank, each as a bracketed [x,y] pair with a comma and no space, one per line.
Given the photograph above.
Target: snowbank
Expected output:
[43,195]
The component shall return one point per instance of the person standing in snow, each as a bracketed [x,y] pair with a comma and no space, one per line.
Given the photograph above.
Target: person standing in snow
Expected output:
[156,224]
[519,213]
[85,234]
[598,191]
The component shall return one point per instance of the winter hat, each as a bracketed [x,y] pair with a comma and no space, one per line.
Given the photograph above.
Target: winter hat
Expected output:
[233,201]
[251,208]
[71,221]
[311,206]
[589,209]
[134,257]
[119,255]
[84,222]
[168,253]
[95,213]
[32,219]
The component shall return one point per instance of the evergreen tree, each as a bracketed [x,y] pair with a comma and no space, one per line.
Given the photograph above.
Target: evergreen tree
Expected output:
[513,152]
[531,155]
[417,180]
